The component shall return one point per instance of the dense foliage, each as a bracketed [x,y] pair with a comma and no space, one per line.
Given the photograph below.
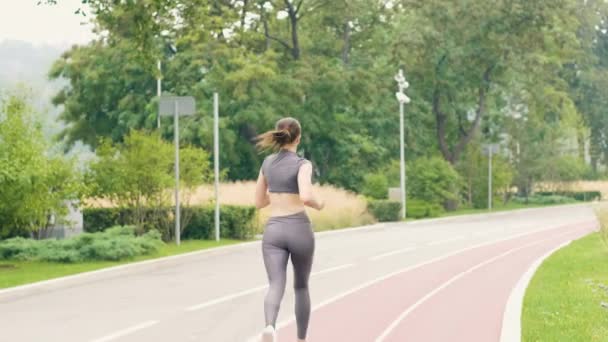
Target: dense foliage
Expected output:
[35,180]
[527,74]
[115,243]
[237,222]
[385,211]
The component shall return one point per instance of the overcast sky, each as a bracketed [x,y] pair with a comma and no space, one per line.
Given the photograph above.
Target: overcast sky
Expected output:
[44,24]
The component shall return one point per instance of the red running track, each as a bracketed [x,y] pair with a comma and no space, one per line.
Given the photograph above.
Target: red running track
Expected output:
[459,298]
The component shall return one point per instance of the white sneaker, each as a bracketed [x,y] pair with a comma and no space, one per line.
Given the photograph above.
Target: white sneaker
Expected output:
[269,334]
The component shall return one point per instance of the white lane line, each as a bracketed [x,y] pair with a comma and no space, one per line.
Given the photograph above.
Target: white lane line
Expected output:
[341,295]
[484,233]
[441,242]
[395,252]
[226,298]
[429,295]
[333,269]
[511,323]
[230,297]
[126,331]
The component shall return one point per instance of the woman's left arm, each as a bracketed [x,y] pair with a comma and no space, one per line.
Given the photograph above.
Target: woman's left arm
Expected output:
[262,199]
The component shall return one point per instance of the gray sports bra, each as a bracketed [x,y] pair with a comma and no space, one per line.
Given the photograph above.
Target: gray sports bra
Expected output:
[281,171]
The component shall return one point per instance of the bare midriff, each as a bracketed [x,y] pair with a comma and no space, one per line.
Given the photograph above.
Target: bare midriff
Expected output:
[283,204]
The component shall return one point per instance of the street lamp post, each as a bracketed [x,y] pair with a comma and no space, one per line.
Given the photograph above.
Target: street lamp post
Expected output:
[490,192]
[158,90]
[402,84]
[490,150]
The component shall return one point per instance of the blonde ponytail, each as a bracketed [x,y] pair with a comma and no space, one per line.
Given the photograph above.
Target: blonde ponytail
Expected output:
[286,132]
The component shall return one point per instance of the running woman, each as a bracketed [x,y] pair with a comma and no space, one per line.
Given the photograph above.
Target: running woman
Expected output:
[284,184]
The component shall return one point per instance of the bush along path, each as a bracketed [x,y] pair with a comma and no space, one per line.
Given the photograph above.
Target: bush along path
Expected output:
[24,261]
[113,244]
[19,272]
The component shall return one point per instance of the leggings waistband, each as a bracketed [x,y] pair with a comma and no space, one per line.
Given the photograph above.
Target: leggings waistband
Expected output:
[296,217]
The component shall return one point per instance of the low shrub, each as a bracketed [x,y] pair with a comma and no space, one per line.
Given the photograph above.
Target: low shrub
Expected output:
[433,180]
[582,196]
[384,210]
[99,219]
[375,185]
[543,200]
[421,209]
[236,222]
[19,248]
[113,244]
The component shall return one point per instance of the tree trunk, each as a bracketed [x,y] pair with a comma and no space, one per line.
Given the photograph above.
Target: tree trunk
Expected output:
[441,120]
[580,137]
[266,33]
[594,149]
[346,39]
[243,16]
[453,154]
[293,20]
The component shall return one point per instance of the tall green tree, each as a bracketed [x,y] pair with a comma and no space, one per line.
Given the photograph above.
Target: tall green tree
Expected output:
[330,64]
[35,183]
[464,53]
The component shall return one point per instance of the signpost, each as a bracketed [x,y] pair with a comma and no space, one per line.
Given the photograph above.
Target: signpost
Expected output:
[176,106]
[216,162]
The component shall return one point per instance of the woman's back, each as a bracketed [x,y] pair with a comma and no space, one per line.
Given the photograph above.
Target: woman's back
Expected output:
[281,173]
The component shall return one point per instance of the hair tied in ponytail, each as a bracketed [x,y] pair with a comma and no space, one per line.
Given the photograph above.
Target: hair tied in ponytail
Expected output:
[281,136]
[287,130]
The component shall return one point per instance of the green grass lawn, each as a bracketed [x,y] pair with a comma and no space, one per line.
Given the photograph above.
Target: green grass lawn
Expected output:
[564,300]
[13,273]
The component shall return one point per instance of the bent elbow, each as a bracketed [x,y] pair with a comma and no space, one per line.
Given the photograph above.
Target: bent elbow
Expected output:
[260,204]
[307,200]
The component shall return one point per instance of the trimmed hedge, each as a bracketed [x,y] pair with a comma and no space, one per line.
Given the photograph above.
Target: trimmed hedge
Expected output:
[582,196]
[385,210]
[113,244]
[236,222]
[544,200]
[99,219]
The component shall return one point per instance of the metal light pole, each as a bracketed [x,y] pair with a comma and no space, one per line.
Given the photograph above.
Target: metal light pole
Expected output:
[402,84]
[176,106]
[490,179]
[177,207]
[490,149]
[158,90]
[216,162]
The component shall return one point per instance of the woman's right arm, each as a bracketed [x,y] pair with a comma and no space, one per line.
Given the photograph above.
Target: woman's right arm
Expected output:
[305,186]
[262,199]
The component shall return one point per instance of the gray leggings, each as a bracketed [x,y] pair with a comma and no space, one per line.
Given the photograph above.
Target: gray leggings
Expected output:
[285,236]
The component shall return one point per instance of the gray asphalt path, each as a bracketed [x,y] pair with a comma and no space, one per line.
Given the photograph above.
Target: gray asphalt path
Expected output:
[218,295]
